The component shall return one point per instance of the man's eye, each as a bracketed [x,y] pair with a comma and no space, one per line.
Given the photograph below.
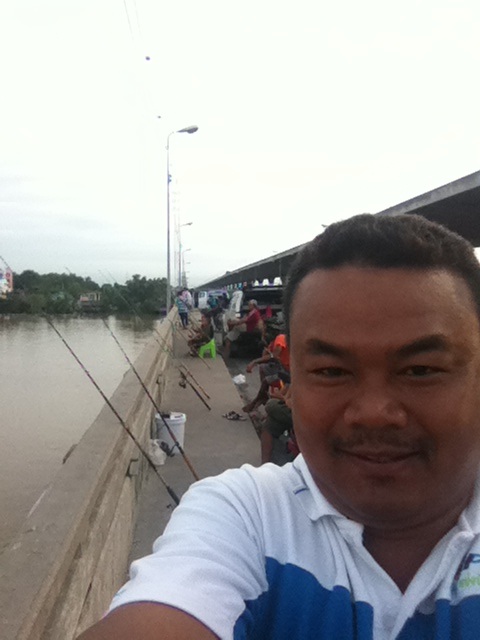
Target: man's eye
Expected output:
[330,372]
[419,371]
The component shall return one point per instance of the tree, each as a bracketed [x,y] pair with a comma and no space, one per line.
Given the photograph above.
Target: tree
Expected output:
[59,293]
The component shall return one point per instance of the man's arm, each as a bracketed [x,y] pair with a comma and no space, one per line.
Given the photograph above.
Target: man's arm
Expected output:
[208,562]
[148,621]
[237,323]
[266,357]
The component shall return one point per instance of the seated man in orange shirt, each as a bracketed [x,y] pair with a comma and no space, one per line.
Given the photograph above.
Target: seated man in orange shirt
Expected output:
[274,367]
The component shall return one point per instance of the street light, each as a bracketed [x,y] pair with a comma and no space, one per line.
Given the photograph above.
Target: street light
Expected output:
[190,129]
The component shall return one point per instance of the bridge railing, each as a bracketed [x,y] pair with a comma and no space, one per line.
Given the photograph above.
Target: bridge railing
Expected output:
[70,557]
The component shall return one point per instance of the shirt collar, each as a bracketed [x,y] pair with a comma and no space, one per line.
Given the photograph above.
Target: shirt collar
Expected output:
[313,501]
[470,518]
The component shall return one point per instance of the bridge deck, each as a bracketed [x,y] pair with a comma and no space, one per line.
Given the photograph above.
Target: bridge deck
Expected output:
[212,442]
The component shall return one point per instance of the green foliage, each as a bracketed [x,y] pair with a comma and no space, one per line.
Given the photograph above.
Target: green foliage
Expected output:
[59,293]
[36,302]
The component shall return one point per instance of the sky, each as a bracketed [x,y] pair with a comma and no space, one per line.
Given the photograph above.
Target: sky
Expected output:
[307,112]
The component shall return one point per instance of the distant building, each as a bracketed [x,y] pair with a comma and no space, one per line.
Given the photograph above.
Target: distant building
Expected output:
[6,282]
[90,301]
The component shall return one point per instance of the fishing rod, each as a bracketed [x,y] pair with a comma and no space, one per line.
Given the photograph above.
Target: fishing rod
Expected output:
[165,345]
[184,381]
[150,397]
[169,489]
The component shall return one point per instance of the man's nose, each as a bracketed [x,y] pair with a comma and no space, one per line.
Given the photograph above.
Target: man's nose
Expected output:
[373,405]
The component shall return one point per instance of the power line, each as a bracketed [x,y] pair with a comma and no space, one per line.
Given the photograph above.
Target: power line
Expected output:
[140,52]
[128,19]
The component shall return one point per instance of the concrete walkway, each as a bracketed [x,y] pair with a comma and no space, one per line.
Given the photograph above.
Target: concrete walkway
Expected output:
[212,442]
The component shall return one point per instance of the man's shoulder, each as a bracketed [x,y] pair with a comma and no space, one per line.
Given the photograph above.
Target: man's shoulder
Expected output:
[250,485]
[268,490]
[281,340]
[248,477]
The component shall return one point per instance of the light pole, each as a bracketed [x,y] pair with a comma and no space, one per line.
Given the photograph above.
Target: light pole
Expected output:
[186,224]
[190,129]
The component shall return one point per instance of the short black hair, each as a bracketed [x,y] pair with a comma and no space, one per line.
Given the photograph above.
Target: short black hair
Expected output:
[385,241]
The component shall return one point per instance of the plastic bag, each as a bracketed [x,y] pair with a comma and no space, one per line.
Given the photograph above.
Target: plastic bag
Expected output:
[157,455]
[240,379]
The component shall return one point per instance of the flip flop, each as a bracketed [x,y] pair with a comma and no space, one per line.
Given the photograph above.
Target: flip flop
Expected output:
[233,415]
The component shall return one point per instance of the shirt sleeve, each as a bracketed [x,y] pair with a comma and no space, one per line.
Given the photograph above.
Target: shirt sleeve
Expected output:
[211,558]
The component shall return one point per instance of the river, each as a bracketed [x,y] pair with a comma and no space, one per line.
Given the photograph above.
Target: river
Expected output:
[46,400]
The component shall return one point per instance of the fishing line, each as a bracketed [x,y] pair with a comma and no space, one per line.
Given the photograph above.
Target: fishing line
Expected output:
[157,408]
[163,346]
[169,489]
[6,264]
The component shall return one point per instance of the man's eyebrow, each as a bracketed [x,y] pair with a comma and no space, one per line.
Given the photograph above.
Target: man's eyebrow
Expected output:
[422,345]
[318,347]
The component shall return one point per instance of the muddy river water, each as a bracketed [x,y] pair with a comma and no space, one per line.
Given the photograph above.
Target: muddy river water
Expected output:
[46,400]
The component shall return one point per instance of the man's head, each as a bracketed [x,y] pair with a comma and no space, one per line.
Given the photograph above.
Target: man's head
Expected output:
[252,304]
[385,363]
[380,241]
[272,328]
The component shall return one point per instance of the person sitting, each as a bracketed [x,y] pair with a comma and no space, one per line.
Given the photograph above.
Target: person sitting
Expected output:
[277,422]
[251,324]
[202,335]
[274,366]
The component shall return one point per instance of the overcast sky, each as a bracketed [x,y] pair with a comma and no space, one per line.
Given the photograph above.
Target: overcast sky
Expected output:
[308,112]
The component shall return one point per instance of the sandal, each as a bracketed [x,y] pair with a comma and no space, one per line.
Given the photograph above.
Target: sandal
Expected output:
[233,415]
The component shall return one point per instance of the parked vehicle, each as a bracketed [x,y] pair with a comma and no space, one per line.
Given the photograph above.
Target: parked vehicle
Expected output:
[203,296]
[269,300]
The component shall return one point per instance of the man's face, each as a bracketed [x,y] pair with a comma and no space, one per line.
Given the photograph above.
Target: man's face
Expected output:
[385,391]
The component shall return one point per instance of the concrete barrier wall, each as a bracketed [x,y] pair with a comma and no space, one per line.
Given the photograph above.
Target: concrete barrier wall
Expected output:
[60,573]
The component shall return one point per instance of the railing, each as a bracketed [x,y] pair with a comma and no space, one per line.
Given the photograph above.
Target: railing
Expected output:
[59,575]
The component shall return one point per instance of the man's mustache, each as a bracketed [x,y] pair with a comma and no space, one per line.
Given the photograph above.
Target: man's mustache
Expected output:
[380,439]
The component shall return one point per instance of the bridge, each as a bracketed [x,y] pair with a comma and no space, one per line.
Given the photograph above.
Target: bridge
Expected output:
[456,205]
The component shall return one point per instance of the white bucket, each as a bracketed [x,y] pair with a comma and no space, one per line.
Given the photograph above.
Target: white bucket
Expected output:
[176,422]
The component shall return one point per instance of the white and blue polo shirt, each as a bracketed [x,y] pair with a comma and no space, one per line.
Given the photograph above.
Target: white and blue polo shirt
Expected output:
[258,553]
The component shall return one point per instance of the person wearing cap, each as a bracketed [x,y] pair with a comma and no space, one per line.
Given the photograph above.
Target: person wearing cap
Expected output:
[252,323]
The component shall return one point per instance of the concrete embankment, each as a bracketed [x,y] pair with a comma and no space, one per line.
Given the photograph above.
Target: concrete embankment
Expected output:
[72,554]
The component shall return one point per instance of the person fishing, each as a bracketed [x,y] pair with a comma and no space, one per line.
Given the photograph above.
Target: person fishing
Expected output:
[250,325]
[202,335]
[373,532]
[273,364]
